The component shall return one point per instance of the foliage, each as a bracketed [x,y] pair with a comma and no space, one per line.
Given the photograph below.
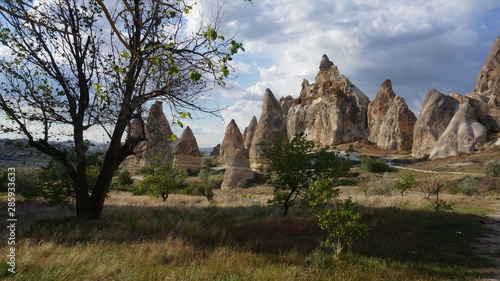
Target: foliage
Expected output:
[468,186]
[431,188]
[52,185]
[207,183]
[377,185]
[406,183]
[124,178]
[493,168]
[371,165]
[3,181]
[294,165]
[160,178]
[65,73]
[338,218]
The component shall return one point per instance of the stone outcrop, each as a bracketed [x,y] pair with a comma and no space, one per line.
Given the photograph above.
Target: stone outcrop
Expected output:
[435,115]
[215,150]
[390,121]
[270,128]
[462,134]
[186,152]
[330,111]
[158,135]
[238,171]
[487,87]
[286,103]
[248,133]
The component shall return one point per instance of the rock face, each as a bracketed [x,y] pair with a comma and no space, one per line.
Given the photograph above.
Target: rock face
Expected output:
[248,133]
[158,136]
[286,103]
[215,150]
[186,153]
[435,115]
[390,121]
[462,134]
[238,171]
[487,87]
[330,111]
[271,127]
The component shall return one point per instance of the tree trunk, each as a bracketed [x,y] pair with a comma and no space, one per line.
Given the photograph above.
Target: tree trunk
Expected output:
[84,208]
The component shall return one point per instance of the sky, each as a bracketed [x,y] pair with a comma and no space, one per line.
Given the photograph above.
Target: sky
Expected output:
[419,45]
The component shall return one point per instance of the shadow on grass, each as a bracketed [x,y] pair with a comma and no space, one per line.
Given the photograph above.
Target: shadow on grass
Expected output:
[418,237]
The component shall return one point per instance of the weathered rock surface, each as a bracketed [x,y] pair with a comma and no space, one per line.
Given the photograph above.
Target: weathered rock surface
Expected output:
[435,115]
[330,111]
[248,133]
[215,150]
[462,134]
[158,135]
[270,128]
[238,171]
[487,87]
[286,103]
[186,152]
[390,121]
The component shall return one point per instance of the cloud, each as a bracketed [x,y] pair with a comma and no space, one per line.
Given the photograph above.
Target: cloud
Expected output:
[419,45]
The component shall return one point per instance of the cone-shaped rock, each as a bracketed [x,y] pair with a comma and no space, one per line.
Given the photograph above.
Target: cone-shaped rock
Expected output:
[238,171]
[157,135]
[487,87]
[330,111]
[186,153]
[390,121]
[435,115]
[270,128]
[248,133]
[462,134]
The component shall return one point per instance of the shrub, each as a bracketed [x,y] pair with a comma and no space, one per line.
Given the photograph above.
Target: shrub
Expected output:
[124,178]
[377,185]
[468,186]
[160,178]
[371,165]
[406,183]
[493,168]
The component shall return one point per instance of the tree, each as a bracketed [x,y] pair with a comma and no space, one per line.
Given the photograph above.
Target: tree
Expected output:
[294,165]
[79,65]
[406,183]
[339,218]
[160,178]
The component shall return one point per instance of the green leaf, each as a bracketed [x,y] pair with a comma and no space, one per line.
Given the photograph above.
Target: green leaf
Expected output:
[195,76]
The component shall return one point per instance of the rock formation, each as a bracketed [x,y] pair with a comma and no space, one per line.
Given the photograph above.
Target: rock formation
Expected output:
[487,87]
[390,122]
[215,150]
[462,134]
[238,171]
[435,115]
[158,136]
[286,103]
[330,111]
[271,127]
[248,133]
[186,152]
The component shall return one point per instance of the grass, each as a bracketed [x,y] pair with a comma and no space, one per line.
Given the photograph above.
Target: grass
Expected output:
[191,239]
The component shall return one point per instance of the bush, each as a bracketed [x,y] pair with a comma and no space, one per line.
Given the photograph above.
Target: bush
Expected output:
[493,168]
[468,186]
[371,165]
[124,178]
[378,185]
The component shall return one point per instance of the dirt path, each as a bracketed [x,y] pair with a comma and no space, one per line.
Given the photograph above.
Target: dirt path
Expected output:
[489,245]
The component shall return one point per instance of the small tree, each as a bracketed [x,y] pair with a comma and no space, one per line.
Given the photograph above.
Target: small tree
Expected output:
[406,183]
[207,183]
[432,189]
[160,178]
[338,217]
[294,165]
[124,178]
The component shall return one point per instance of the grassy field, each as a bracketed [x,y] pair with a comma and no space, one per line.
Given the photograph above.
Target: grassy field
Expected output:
[237,236]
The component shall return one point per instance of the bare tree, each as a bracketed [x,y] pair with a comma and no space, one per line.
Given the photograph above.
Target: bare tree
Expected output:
[78,65]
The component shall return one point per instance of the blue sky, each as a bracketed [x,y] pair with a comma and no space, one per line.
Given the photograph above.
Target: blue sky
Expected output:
[419,45]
